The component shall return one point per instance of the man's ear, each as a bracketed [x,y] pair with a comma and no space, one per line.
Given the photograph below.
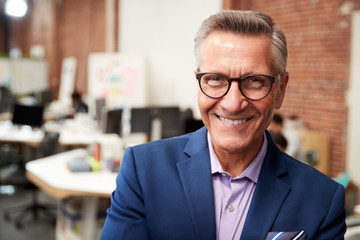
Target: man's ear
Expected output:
[281,89]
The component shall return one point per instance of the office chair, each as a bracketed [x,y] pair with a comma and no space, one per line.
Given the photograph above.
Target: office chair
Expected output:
[18,179]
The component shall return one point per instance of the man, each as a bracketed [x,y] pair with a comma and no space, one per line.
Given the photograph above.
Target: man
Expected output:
[227,180]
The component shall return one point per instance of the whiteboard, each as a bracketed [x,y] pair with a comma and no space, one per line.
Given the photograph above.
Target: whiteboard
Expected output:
[4,72]
[118,78]
[28,75]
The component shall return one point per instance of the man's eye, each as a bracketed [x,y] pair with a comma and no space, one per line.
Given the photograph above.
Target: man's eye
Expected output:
[214,78]
[257,80]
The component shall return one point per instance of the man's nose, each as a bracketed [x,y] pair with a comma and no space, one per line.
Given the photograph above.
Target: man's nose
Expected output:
[234,100]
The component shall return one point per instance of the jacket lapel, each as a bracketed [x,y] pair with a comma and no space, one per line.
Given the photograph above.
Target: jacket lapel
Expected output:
[270,193]
[195,175]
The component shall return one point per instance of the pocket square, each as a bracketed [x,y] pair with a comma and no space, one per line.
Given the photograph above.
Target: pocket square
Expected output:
[299,235]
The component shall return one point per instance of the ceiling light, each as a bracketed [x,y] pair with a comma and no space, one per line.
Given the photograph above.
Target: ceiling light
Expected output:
[16,8]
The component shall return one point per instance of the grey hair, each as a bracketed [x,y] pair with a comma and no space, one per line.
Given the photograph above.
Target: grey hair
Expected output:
[250,23]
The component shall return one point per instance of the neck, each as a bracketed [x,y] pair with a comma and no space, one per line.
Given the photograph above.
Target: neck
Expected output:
[235,163]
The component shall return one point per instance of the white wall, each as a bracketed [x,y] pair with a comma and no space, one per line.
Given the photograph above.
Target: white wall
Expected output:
[163,31]
[353,149]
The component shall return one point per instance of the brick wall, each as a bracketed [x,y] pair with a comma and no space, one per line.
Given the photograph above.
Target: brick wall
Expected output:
[318,34]
[81,31]
[66,28]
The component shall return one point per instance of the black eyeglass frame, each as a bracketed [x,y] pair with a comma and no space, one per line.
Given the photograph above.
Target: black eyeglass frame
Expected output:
[272,79]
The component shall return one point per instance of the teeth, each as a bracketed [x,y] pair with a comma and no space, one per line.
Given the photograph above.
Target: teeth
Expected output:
[234,122]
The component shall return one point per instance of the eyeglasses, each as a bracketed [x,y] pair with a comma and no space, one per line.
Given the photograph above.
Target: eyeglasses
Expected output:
[253,87]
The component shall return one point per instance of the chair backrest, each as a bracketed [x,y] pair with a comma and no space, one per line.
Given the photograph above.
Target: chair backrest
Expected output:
[49,144]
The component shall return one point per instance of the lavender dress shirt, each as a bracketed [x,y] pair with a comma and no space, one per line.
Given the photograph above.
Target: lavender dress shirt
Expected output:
[232,196]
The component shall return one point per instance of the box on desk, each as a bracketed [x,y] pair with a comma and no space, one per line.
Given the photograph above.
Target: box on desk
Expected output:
[109,150]
[70,217]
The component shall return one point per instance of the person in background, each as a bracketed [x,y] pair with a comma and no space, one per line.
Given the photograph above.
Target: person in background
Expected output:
[227,180]
[289,130]
[78,104]
[279,140]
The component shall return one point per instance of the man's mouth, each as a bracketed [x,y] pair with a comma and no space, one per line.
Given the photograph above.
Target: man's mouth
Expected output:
[233,122]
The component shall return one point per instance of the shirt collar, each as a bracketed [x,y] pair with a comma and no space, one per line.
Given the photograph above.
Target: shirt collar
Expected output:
[252,171]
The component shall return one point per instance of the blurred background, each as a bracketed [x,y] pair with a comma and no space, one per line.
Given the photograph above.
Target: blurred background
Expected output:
[323,38]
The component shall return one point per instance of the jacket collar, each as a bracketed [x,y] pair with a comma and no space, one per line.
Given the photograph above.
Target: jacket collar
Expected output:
[195,175]
[270,193]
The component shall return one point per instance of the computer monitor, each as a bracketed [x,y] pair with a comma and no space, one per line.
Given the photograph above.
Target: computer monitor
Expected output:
[142,120]
[46,97]
[7,100]
[113,121]
[191,125]
[28,115]
[100,105]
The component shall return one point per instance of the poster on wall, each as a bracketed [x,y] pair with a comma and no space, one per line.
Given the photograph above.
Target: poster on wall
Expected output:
[118,78]
[68,73]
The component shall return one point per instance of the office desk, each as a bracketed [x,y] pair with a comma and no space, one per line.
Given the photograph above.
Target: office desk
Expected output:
[70,134]
[23,135]
[50,175]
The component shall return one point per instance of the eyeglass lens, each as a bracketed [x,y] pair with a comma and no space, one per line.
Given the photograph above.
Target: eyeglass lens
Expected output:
[254,87]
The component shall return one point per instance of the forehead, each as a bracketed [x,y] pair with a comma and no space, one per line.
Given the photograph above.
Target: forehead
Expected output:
[225,49]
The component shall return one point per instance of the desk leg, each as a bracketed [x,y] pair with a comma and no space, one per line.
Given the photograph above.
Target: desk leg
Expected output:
[89,218]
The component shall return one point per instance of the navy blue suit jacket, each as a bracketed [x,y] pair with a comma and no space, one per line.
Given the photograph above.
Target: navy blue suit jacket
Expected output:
[164,191]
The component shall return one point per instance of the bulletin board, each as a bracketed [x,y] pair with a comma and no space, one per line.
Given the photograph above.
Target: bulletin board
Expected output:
[118,78]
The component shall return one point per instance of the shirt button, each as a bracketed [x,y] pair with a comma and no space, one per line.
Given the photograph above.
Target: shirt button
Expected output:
[223,174]
[230,208]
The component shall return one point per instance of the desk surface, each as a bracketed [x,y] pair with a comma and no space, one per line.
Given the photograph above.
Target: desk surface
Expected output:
[51,175]
[24,134]
[71,133]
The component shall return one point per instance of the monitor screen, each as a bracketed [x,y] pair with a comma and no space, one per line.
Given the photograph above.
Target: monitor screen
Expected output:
[141,120]
[113,121]
[191,125]
[28,115]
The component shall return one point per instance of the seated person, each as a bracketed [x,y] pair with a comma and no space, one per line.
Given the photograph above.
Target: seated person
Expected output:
[78,104]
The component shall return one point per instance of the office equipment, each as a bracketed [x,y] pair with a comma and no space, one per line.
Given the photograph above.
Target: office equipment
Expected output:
[100,108]
[28,115]
[191,125]
[46,97]
[113,121]
[7,100]
[166,119]
[78,165]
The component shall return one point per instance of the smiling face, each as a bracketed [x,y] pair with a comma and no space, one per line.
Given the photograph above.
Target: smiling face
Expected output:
[236,124]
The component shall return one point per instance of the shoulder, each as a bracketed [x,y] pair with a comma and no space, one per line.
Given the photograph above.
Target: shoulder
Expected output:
[188,144]
[310,180]
[169,144]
